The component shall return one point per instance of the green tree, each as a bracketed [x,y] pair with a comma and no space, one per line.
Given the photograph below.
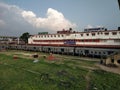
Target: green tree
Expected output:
[119,3]
[25,37]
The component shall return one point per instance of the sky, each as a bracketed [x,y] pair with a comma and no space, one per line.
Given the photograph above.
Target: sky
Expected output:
[33,16]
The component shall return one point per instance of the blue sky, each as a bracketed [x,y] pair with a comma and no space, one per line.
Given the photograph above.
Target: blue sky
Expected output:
[83,13]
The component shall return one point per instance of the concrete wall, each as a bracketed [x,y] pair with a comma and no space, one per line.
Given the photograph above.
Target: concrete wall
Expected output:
[114,59]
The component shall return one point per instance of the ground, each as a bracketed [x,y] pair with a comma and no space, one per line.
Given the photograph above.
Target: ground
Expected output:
[20,71]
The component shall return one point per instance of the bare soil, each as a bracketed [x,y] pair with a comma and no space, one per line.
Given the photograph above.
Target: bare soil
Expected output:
[109,69]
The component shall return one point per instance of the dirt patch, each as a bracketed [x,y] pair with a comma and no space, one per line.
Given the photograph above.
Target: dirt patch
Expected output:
[88,79]
[109,69]
[62,73]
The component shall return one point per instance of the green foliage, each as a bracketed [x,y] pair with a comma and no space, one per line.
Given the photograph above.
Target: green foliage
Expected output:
[25,37]
[119,3]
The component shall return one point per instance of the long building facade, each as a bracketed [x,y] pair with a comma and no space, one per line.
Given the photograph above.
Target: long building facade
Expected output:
[66,38]
[93,42]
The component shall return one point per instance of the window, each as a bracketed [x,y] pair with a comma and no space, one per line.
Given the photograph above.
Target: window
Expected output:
[87,34]
[62,35]
[86,40]
[104,53]
[54,35]
[114,33]
[98,33]
[106,33]
[93,34]
[112,60]
[118,61]
[81,34]
[82,40]
[117,40]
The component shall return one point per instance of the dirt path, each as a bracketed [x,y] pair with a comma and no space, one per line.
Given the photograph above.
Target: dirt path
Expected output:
[88,79]
[109,69]
[77,58]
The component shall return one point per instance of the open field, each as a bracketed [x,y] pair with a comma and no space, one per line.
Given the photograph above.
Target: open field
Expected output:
[63,73]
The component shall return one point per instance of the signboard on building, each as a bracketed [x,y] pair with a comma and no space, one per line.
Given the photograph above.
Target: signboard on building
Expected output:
[69,42]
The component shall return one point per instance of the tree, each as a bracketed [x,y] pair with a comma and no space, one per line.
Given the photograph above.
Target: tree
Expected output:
[25,37]
[118,28]
[119,3]
[70,29]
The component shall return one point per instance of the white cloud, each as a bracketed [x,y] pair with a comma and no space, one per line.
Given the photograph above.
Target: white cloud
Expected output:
[54,20]
[11,20]
[28,14]
[2,23]
[98,26]
[18,21]
[89,26]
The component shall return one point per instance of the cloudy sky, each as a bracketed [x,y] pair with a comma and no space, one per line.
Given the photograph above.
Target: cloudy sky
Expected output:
[33,16]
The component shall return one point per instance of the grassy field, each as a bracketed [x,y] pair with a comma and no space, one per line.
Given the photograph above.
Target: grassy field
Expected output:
[63,73]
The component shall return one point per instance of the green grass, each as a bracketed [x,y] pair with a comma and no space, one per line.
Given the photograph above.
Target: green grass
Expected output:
[105,80]
[63,74]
